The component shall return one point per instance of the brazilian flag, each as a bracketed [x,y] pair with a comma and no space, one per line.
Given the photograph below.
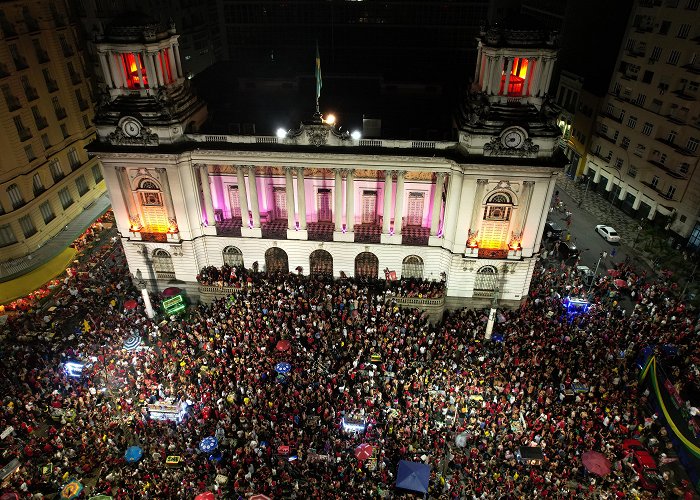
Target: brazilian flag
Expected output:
[319,82]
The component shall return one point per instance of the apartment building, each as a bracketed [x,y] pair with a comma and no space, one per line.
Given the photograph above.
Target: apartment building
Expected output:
[46,112]
[644,152]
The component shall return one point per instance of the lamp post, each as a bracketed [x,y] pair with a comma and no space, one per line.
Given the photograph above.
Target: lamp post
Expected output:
[492,314]
[144,293]
[595,273]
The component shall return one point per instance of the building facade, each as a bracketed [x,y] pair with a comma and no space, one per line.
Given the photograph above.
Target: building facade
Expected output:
[644,153]
[46,177]
[320,201]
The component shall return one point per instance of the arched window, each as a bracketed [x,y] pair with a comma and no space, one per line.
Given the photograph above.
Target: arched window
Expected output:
[155,217]
[366,265]
[163,265]
[321,263]
[233,257]
[486,278]
[412,267]
[496,223]
[276,261]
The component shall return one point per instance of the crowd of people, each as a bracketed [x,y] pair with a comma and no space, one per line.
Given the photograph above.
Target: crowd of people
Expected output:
[435,393]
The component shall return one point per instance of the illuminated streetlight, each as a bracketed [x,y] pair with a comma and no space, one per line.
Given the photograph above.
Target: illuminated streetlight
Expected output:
[356,135]
[281,133]
[330,119]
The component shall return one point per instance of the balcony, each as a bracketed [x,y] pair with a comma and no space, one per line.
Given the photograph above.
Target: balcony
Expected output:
[60,113]
[75,78]
[368,233]
[24,134]
[598,154]
[38,191]
[602,135]
[75,166]
[155,238]
[229,227]
[21,63]
[51,85]
[665,196]
[67,50]
[617,119]
[18,204]
[82,104]
[683,94]
[320,231]
[13,103]
[678,120]
[415,236]
[41,123]
[667,170]
[57,176]
[275,230]
[4,72]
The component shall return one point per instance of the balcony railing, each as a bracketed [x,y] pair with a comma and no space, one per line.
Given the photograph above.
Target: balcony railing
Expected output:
[60,113]
[598,154]
[52,85]
[21,63]
[31,93]
[75,166]
[57,176]
[683,94]
[75,78]
[39,191]
[82,104]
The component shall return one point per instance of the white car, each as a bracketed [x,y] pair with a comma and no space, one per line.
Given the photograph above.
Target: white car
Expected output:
[608,233]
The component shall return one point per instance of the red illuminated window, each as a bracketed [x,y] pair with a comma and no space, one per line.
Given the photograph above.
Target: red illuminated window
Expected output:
[135,71]
[517,77]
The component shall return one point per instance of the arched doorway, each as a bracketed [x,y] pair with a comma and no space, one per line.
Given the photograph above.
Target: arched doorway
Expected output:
[233,257]
[276,261]
[321,263]
[412,267]
[486,279]
[366,265]
[163,265]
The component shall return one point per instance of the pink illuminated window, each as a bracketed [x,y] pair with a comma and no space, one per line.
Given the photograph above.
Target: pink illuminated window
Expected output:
[132,66]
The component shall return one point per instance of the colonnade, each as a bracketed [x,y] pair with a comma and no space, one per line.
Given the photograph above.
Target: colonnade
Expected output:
[151,59]
[490,68]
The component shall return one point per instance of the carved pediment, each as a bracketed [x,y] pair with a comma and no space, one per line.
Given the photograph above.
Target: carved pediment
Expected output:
[145,137]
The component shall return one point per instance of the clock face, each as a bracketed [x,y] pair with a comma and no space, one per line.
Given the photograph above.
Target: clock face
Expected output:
[131,128]
[513,138]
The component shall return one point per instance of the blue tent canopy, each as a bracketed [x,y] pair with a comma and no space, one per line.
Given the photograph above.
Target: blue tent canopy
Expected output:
[413,476]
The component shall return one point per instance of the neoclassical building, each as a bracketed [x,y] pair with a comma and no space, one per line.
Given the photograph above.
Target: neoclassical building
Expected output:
[317,200]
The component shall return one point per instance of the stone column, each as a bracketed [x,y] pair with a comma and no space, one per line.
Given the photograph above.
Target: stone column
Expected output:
[386,214]
[524,207]
[338,199]
[398,211]
[206,192]
[509,69]
[437,203]
[125,188]
[637,201]
[173,66]
[135,55]
[243,197]
[547,80]
[118,68]
[486,75]
[477,71]
[478,205]
[534,87]
[254,202]
[167,195]
[159,69]
[301,193]
[496,83]
[623,192]
[178,62]
[350,201]
[652,212]
[106,72]
[528,74]
[542,80]
[150,70]
[291,223]
[596,176]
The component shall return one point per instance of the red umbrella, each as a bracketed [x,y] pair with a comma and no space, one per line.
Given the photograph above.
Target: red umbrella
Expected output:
[363,451]
[130,304]
[260,497]
[283,345]
[10,495]
[205,496]
[614,273]
[596,463]
[620,283]
[170,291]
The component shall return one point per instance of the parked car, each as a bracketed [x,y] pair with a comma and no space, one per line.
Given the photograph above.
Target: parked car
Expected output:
[644,464]
[552,231]
[608,233]
[586,274]
[568,250]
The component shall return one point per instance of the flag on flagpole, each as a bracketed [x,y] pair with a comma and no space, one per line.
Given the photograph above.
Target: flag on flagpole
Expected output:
[319,82]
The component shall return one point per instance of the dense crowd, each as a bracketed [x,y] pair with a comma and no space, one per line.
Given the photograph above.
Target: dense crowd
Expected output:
[353,353]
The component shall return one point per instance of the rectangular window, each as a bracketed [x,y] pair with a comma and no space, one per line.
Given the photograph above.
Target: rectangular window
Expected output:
[45,141]
[73,159]
[65,197]
[655,54]
[640,150]
[632,172]
[37,184]
[618,163]
[27,225]
[655,181]
[86,121]
[665,26]
[64,131]
[670,192]
[647,77]
[683,218]
[97,173]
[22,131]
[46,212]
[692,4]
[625,142]
[56,170]
[15,196]
[29,152]
[683,31]
[7,236]
[684,168]
[81,184]
[673,57]
[632,121]
[648,128]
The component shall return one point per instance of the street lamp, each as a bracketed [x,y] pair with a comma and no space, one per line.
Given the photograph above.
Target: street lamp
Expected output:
[492,314]
[595,273]
[144,293]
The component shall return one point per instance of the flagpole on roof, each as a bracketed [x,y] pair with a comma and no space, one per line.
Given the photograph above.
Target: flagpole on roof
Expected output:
[319,82]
